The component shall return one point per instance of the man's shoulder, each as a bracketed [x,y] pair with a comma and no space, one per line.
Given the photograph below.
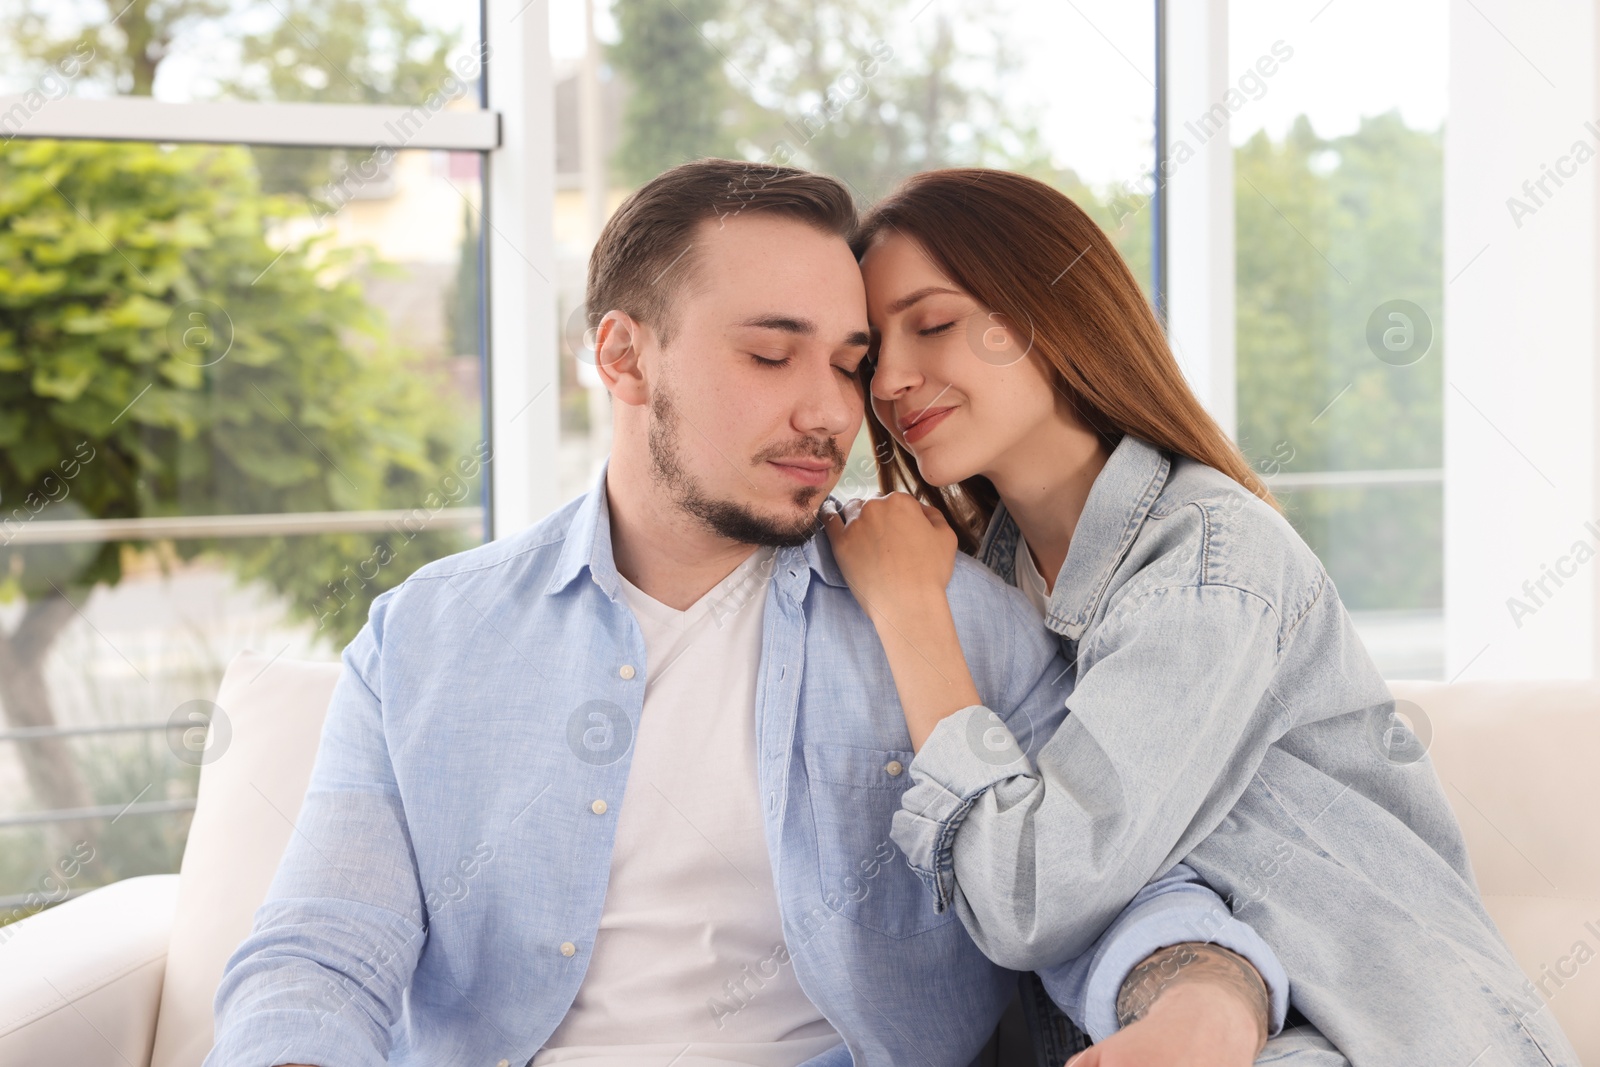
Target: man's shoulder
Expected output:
[993,617]
[540,543]
[979,582]
[521,562]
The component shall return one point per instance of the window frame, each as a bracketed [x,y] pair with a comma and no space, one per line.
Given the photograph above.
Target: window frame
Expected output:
[514,129]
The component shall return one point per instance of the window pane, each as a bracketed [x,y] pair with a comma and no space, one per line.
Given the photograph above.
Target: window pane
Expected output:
[177,344]
[332,51]
[870,93]
[1339,197]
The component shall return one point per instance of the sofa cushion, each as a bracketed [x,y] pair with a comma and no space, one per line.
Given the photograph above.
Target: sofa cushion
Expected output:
[250,794]
[1514,758]
[80,982]
[1517,760]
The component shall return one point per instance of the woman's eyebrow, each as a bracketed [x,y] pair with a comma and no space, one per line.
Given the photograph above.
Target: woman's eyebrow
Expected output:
[911,298]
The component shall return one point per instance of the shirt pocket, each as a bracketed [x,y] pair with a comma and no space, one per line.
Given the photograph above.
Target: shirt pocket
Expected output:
[854,795]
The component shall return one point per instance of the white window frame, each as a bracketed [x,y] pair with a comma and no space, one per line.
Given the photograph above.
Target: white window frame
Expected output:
[1521,470]
[515,130]
[1522,390]
[1196,231]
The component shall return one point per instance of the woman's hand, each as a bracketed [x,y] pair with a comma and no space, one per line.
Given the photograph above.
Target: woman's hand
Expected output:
[897,554]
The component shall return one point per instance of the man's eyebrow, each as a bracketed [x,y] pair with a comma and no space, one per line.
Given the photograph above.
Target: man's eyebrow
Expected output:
[803,328]
[785,323]
[911,298]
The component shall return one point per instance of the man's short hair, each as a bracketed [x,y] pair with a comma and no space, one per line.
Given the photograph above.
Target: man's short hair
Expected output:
[645,254]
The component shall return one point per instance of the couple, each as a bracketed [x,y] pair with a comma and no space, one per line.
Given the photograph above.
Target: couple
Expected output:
[631,787]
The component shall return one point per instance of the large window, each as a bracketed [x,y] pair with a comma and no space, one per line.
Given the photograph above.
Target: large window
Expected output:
[869,92]
[242,374]
[1340,285]
[285,292]
[338,51]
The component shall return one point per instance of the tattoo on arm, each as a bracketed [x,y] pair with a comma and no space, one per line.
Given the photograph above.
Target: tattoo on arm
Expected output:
[1193,961]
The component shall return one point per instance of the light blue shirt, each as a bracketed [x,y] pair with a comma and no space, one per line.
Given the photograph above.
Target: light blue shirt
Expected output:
[440,898]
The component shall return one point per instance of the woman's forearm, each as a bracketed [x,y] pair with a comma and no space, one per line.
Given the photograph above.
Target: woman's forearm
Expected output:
[930,670]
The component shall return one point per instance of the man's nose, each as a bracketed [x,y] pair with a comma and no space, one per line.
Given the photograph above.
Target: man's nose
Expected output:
[830,405]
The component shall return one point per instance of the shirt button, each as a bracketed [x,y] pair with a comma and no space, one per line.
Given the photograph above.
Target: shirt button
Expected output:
[598,807]
[894,768]
[568,948]
[626,670]
[503,1063]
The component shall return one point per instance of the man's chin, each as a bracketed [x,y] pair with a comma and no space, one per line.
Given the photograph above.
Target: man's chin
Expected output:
[779,526]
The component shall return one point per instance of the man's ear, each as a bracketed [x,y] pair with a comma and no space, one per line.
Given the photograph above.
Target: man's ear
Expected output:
[618,344]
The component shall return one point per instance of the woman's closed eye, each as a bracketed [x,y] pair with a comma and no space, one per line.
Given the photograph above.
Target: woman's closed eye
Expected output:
[934,331]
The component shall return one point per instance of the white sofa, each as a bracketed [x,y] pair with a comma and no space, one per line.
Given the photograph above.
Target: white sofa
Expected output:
[124,976]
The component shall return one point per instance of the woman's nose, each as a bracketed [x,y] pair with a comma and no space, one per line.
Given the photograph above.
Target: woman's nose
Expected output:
[893,375]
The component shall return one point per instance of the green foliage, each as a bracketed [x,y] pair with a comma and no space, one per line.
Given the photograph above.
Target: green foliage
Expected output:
[345,52]
[1329,229]
[129,40]
[816,84]
[464,300]
[312,408]
[327,51]
[826,90]
[676,109]
[337,52]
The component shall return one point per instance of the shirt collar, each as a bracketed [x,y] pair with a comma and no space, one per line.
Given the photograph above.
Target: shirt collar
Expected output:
[819,554]
[588,544]
[1120,499]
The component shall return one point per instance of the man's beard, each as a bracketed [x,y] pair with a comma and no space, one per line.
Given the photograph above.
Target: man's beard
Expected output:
[727,518]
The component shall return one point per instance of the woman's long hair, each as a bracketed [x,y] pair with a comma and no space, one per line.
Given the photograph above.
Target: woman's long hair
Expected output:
[1027,251]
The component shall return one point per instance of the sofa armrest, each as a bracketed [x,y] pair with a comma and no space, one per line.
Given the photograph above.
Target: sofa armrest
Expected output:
[81,982]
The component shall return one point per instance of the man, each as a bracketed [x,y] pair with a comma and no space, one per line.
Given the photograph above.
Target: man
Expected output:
[618,789]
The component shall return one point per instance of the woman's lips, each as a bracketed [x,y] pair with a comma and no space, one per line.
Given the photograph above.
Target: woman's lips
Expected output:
[924,424]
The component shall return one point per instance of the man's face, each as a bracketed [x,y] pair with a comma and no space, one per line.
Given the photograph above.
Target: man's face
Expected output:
[754,402]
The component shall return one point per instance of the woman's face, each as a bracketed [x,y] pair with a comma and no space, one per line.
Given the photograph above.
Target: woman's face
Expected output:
[958,385]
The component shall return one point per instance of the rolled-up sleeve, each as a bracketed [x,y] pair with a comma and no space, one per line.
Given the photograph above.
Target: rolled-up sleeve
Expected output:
[949,776]
[321,977]
[1175,909]
[1165,726]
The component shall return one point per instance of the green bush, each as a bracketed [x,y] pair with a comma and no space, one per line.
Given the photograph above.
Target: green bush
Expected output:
[168,347]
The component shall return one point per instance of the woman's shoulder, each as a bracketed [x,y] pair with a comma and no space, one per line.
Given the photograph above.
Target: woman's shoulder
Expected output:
[1206,529]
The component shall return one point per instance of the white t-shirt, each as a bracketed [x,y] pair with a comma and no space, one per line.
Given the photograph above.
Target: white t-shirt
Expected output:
[1030,581]
[689,964]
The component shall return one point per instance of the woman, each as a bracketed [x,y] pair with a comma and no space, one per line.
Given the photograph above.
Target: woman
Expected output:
[1223,711]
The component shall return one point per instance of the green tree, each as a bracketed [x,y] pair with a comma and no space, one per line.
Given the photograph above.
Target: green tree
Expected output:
[158,357]
[337,52]
[129,44]
[115,258]
[816,83]
[680,94]
[323,51]
[464,299]
[1328,230]
[824,81]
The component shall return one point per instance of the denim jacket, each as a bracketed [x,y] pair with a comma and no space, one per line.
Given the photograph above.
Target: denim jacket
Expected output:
[441,896]
[1223,712]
